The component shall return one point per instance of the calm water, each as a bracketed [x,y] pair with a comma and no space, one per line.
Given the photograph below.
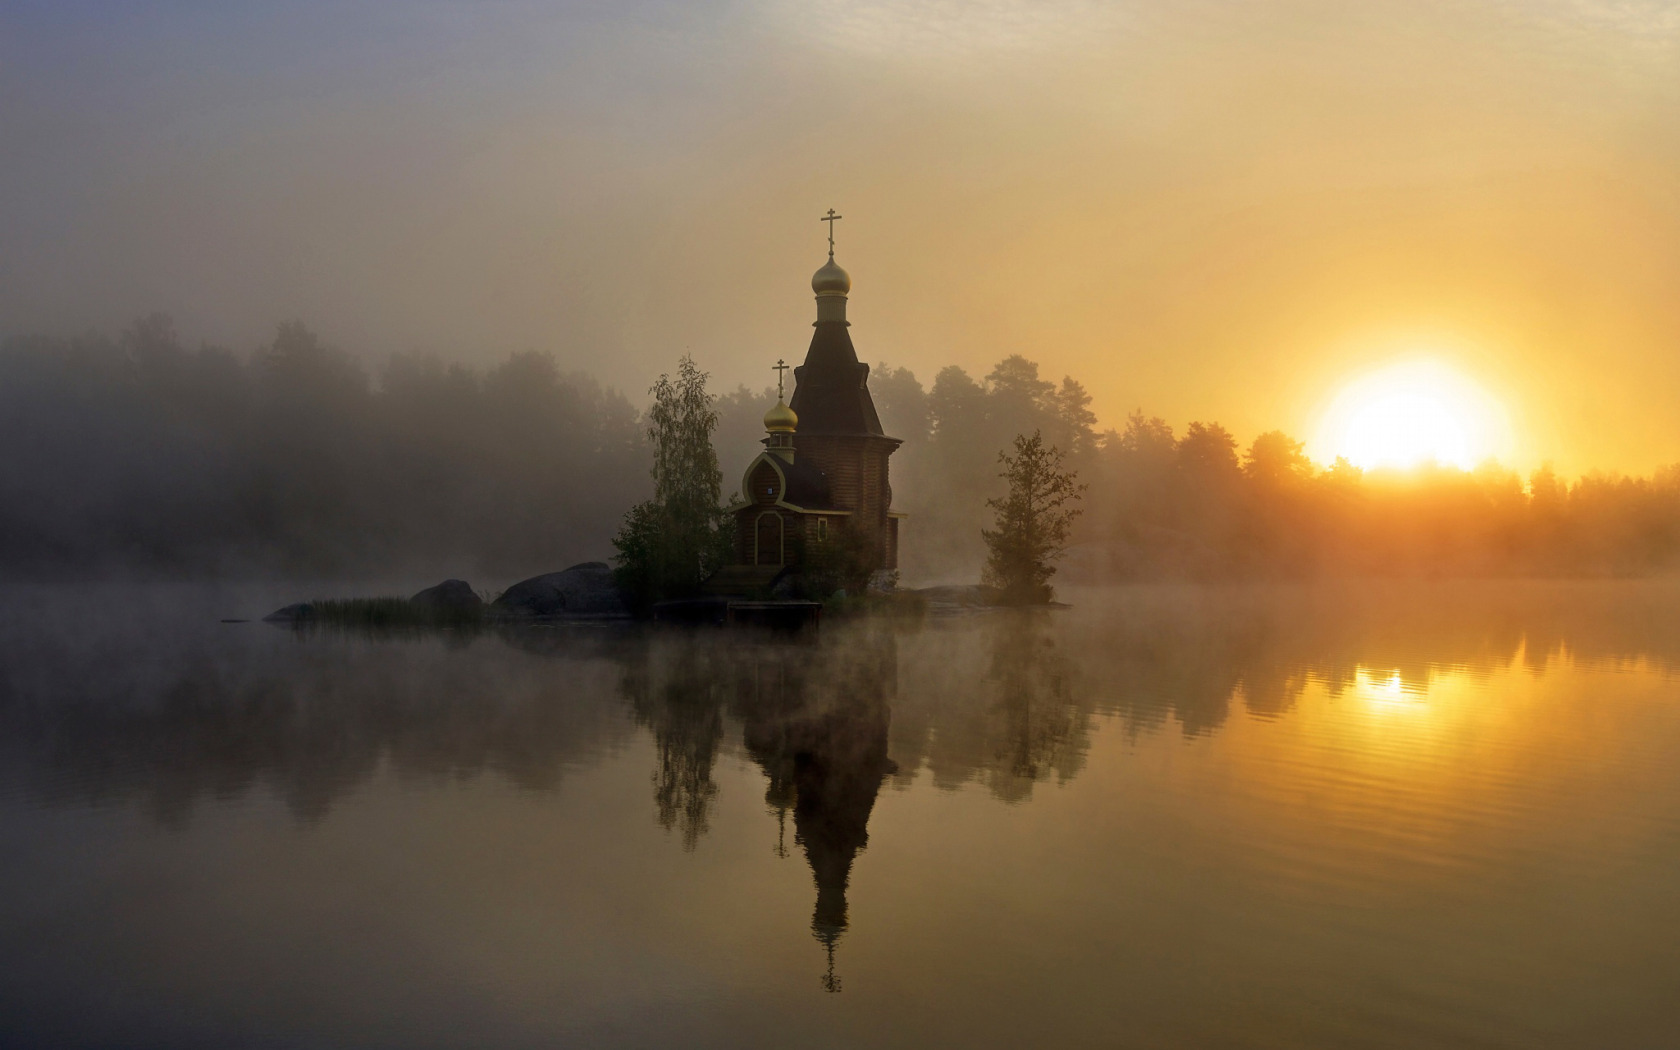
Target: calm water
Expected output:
[1433,816]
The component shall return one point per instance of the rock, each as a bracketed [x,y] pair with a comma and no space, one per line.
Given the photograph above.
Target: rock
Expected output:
[292,613]
[450,596]
[883,581]
[585,591]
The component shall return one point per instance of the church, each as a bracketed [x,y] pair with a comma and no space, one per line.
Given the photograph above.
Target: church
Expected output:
[822,478]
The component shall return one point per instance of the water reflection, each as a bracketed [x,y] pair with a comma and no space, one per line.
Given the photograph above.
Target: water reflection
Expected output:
[173,722]
[813,717]
[1008,699]
[676,691]
[816,722]
[171,718]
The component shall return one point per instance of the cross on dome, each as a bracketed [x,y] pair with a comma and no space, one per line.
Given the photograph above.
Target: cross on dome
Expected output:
[830,219]
[831,282]
[780,421]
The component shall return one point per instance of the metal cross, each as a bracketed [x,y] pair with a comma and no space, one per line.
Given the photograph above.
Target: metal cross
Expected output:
[781,368]
[829,218]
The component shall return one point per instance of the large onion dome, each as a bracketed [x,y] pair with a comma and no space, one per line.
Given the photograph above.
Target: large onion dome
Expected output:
[831,279]
[780,418]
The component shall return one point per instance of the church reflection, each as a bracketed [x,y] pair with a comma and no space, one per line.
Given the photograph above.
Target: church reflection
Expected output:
[819,731]
[1007,701]
[814,718]
[819,718]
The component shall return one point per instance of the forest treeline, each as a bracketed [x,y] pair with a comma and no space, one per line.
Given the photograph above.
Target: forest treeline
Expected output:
[141,454]
[1161,504]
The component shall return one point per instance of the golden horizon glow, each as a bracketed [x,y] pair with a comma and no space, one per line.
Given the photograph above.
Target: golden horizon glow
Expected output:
[1413,413]
[1192,209]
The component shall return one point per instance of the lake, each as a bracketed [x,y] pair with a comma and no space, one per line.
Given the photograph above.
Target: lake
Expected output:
[1381,815]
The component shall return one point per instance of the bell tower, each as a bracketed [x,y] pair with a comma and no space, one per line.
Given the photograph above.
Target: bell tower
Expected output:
[839,432]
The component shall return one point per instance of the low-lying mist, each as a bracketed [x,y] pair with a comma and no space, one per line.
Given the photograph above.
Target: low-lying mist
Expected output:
[140,456]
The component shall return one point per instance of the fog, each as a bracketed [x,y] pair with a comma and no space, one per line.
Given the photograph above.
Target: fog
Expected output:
[137,455]
[142,698]
[1210,210]
[140,455]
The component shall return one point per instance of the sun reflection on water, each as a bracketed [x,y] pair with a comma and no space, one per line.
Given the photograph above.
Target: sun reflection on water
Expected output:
[1387,688]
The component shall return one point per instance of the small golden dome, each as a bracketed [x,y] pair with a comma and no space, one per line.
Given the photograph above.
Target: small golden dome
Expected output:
[781,418]
[831,279]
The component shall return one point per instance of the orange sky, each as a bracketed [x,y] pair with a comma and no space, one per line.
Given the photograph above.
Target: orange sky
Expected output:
[1204,209]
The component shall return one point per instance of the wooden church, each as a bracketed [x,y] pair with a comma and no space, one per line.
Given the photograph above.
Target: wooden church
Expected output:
[822,477]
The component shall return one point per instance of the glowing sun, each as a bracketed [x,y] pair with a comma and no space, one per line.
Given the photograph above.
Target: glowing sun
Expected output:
[1413,413]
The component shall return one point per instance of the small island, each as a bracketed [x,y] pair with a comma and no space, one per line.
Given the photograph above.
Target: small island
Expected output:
[812,525]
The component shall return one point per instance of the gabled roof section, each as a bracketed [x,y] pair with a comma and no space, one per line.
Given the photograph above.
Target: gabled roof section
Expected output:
[804,487]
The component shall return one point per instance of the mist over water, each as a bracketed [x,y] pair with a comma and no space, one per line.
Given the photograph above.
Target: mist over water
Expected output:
[140,456]
[1373,815]
[1367,742]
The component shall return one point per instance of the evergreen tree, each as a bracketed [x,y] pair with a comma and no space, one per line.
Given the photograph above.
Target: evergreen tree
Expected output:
[1032,523]
[670,544]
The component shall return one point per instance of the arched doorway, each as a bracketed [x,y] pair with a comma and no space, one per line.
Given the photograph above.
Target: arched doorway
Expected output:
[768,549]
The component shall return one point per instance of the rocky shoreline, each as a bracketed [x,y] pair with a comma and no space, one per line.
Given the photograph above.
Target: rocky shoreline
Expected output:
[585,591]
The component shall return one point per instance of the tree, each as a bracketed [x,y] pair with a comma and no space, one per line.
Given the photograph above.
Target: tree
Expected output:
[1017,400]
[901,402]
[670,544]
[1208,453]
[1073,413]
[1032,523]
[843,560]
[1277,460]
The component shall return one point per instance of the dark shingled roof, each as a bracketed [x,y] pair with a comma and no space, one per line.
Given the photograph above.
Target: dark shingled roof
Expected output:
[807,486]
[831,392]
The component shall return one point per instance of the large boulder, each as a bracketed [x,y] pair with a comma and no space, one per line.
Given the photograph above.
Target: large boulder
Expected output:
[450,596]
[297,612]
[584,591]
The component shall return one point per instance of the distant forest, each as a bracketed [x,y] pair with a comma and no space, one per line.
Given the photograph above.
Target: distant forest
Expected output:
[138,454]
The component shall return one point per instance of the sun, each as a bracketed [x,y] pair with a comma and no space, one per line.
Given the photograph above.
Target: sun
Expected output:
[1412,413]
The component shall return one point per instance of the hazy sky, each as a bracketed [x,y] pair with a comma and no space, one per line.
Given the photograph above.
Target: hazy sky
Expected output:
[1210,210]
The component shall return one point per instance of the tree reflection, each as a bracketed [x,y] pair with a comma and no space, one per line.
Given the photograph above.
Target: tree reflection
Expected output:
[676,692]
[167,717]
[995,701]
[309,718]
[1038,727]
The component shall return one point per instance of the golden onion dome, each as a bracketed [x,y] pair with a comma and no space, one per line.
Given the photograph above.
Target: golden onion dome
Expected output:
[831,279]
[781,418]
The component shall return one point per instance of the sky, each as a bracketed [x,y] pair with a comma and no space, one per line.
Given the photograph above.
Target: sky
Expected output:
[1206,210]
